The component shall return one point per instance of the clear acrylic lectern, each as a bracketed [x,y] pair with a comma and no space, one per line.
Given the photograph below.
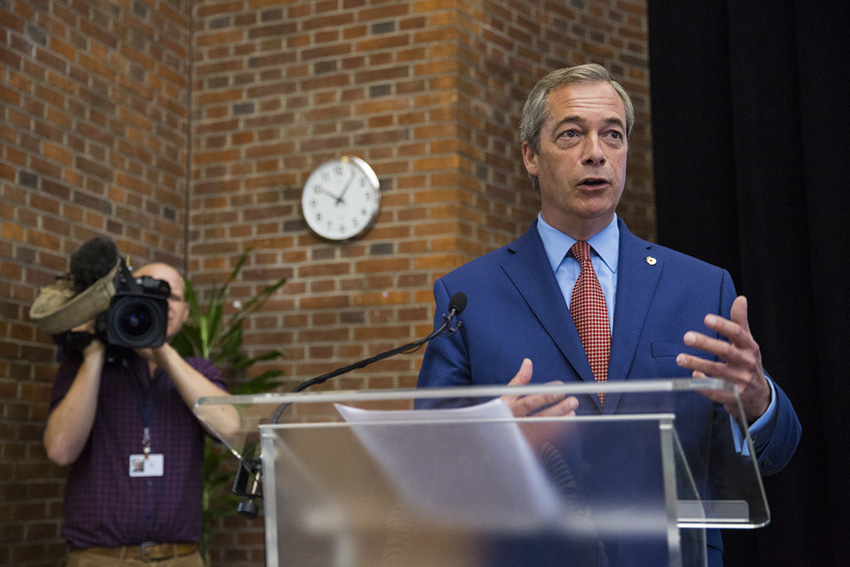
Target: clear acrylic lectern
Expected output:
[448,477]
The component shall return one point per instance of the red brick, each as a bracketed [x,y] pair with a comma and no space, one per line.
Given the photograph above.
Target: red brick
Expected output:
[108,149]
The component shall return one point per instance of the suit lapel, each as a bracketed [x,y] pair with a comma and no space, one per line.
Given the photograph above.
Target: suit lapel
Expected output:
[637,280]
[544,298]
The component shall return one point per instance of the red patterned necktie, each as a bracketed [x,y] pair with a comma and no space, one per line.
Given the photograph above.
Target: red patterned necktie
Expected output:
[587,306]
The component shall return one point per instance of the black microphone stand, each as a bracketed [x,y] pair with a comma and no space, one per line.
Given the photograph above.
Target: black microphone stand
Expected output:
[455,307]
[249,508]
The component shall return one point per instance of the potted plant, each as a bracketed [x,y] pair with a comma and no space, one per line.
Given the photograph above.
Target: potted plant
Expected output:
[212,333]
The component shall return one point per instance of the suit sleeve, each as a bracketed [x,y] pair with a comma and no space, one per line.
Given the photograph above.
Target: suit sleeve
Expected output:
[774,448]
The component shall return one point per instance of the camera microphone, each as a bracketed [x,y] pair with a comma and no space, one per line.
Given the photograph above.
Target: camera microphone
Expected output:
[93,260]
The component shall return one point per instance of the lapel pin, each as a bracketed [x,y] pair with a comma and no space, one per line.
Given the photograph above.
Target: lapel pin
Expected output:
[651,261]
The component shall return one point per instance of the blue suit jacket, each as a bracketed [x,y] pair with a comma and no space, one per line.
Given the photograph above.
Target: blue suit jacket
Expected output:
[516,310]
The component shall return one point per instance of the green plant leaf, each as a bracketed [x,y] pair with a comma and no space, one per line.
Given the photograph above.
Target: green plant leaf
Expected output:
[268,380]
[213,335]
[245,362]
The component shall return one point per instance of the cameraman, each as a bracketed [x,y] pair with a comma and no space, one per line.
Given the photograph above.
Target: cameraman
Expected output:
[123,421]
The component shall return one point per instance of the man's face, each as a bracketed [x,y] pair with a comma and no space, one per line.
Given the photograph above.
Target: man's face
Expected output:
[581,166]
[178,311]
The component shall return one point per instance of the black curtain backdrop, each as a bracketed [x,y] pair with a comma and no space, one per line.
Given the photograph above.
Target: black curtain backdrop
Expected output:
[750,102]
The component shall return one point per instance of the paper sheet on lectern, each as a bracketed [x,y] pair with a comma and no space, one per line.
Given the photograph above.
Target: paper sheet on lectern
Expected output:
[460,464]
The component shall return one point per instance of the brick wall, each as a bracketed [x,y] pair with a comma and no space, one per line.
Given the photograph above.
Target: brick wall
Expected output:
[429,93]
[96,139]
[93,129]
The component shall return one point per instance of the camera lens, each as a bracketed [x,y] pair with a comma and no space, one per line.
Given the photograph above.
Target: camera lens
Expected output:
[136,320]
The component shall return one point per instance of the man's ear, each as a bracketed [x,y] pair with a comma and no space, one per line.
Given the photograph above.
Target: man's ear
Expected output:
[529,158]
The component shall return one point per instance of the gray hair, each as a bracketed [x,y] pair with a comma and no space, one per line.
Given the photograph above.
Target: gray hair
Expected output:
[537,105]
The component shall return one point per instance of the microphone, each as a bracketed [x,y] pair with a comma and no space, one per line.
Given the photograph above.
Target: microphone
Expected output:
[457,304]
[93,260]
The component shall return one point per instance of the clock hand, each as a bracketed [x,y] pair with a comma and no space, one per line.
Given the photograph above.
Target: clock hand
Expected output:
[320,189]
[344,189]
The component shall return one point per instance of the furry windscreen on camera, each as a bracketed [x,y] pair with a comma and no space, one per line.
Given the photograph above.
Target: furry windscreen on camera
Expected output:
[130,312]
[92,261]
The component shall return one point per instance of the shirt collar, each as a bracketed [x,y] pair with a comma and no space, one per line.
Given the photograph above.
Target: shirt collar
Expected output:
[606,243]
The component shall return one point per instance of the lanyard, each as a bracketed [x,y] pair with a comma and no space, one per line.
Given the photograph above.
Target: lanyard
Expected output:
[146,403]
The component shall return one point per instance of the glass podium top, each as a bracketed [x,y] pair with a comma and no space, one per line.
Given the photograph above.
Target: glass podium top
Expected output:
[662,434]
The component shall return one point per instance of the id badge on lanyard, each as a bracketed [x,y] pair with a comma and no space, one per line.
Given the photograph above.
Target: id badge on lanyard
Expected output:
[146,463]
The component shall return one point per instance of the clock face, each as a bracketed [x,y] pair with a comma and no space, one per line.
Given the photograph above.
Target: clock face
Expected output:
[341,198]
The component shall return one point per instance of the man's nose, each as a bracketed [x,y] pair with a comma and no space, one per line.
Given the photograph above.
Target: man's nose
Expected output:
[593,150]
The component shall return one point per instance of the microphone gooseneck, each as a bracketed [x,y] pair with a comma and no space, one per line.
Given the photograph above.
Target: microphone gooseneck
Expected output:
[457,304]
[252,467]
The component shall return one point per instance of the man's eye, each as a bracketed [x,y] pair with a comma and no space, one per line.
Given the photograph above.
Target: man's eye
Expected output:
[617,135]
[569,134]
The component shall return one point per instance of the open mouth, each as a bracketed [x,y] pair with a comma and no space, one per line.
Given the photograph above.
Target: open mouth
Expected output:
[594,181]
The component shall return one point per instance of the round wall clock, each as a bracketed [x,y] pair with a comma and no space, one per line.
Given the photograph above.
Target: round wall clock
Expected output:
[341,198]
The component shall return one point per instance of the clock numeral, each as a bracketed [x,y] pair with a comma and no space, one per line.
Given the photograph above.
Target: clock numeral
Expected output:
[318,217]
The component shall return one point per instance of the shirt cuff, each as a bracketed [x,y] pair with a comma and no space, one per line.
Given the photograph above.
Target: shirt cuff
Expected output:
[760,430]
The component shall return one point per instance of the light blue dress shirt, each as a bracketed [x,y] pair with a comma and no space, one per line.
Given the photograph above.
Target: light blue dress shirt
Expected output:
[605,257]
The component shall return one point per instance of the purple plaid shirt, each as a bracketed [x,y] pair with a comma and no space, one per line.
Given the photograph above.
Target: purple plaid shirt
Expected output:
[104,506]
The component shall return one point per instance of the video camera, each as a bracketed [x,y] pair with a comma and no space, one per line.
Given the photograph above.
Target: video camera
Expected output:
[128,311]
[138,312]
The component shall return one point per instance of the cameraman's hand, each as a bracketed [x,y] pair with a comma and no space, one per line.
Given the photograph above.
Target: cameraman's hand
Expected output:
[95,348]
[87,327]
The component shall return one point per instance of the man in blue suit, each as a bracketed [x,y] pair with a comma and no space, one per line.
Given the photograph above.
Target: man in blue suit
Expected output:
[670,315]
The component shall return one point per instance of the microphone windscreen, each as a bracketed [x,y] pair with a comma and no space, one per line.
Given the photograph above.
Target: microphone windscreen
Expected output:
[93,260]
[458,302]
